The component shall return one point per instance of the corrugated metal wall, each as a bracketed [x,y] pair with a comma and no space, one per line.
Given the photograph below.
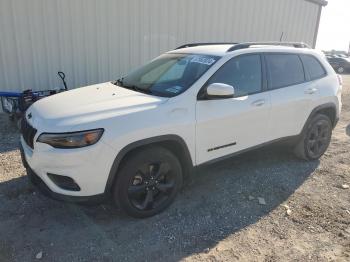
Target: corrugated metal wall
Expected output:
[99,40]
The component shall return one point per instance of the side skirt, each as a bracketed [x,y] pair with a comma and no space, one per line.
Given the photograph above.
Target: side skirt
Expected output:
[290,140]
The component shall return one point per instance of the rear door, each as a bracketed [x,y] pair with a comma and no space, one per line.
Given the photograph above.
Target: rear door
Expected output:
[318,90]
[290,94]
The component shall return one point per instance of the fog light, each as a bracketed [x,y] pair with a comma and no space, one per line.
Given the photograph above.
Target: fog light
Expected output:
[64,182]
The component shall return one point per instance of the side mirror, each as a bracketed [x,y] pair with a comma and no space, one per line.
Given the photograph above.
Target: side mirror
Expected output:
[220,91]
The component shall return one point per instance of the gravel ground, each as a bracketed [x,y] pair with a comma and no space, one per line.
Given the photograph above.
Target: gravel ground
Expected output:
[218,217]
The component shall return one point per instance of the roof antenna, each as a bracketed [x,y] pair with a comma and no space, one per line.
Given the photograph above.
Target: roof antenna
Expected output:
[281,37]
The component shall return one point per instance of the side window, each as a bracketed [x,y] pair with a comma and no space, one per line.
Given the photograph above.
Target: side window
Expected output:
[284,70]
[242,72]
[313,67]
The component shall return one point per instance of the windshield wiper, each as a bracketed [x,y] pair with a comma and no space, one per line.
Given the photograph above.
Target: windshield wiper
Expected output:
[118,82]
[138,89]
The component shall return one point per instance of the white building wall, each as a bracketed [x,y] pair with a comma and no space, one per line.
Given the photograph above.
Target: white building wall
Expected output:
[99,40]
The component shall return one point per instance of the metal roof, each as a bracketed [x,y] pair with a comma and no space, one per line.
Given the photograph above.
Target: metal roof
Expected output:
[94,43]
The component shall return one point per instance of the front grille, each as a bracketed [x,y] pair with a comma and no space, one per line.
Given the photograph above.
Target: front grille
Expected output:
[28,132]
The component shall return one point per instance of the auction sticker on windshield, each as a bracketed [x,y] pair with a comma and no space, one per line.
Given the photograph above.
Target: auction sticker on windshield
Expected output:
[174,89]
[203,60]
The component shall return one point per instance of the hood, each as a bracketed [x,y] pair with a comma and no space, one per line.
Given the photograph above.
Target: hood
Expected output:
[89,104]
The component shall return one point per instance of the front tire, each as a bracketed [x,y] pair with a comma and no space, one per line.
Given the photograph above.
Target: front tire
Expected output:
[148,182]
[315,139]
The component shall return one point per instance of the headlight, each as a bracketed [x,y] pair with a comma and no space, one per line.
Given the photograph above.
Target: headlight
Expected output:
[71,140]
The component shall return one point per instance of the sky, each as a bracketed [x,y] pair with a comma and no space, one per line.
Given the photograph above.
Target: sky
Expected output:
[334,30]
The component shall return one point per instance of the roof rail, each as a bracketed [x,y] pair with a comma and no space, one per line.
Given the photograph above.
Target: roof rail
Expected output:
[249,44]
[199,44]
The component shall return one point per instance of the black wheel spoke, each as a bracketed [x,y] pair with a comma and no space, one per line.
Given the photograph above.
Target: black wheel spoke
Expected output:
[148,202]
[316,148]
[152,170]
[143,171]
[311,143]
[165,188]
[136,189]
[324,133]
[163,169]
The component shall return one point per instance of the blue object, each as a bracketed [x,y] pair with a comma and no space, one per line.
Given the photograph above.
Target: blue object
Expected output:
[10,94]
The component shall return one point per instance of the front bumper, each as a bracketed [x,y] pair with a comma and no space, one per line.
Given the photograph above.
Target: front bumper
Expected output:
[39,183]
[88,167]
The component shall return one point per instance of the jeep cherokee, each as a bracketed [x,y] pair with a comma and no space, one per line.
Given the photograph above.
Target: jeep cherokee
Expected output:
[136,138]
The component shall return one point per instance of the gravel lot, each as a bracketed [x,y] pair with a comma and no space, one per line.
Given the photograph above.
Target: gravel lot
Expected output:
[217,217]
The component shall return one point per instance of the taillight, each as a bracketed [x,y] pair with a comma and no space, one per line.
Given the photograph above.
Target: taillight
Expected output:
[340,80]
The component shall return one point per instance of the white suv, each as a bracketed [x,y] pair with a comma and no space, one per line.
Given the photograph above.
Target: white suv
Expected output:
[136,139]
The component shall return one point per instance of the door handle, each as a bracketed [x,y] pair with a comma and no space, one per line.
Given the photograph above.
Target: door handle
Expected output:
[259,102]
[310,91]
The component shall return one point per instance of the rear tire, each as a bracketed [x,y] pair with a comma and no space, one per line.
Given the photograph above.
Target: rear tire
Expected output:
[148,182]
[315,140]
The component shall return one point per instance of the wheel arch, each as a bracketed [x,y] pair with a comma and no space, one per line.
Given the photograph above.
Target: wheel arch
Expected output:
[328,109]
[174,143]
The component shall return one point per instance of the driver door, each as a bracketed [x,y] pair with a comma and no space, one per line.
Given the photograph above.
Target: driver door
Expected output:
[226,126]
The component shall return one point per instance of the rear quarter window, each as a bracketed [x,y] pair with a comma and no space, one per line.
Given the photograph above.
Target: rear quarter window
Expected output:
[313,67]
[284,70]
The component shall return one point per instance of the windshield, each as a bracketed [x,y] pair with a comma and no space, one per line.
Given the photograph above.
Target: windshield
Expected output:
[168,75]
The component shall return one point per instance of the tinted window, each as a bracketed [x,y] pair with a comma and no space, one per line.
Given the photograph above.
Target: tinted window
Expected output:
[243,73]
[284,70]
[312,67]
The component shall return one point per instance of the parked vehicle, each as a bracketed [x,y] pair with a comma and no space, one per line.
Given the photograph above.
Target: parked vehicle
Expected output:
[137,138]
[343,56]
[340,64]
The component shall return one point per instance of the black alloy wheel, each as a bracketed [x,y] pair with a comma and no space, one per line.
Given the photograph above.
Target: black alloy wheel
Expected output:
[151,186]
[148,182]
[318,138]
[315,139]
